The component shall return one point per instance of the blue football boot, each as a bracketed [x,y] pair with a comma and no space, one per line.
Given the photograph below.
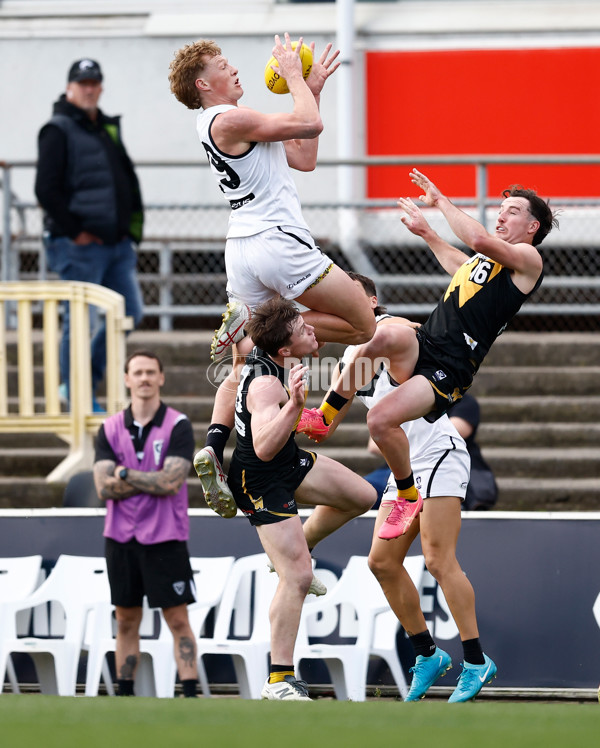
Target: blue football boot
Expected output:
[426,671]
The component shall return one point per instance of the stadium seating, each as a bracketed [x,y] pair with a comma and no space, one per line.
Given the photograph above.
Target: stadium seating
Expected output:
[386,628]
[77,583]
[244,612]
[18,578]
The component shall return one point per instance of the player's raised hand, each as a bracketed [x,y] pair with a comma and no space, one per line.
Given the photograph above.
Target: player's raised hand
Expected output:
[414,220]
[322,68]
[431,193]
[287,58]
[297,384]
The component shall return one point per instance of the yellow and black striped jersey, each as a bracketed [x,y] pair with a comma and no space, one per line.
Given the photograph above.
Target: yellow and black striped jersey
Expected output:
[478,304]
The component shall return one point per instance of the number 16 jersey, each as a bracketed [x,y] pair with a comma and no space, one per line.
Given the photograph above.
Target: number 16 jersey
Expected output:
[479,302]
[257,184]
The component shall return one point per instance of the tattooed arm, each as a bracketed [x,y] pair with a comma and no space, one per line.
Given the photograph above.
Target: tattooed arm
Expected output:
[165,482]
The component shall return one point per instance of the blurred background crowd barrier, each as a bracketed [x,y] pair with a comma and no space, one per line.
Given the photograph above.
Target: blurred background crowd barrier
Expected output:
[181,265]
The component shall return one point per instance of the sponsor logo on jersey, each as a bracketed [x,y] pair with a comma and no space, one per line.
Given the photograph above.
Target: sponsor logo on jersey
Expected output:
[298,282]
[235,204]
[470,342]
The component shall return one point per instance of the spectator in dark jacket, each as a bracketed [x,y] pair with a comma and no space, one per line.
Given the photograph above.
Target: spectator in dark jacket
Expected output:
[93,214]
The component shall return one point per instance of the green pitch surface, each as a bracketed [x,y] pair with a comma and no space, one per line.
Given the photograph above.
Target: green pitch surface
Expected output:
[103,722]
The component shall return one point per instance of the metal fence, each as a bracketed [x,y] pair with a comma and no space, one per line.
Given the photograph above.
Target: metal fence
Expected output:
[182,271]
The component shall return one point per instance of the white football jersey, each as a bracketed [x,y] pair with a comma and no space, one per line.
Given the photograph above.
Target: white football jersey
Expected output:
[257,184]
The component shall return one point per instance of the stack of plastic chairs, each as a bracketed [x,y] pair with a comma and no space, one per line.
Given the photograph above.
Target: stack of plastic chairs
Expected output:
[18,579]
[77,583]
[246,599]
[348,662]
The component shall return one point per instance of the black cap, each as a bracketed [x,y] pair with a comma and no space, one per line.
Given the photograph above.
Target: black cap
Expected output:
[85,70]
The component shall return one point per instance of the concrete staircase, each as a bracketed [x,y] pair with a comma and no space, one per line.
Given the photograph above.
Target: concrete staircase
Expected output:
[540,431]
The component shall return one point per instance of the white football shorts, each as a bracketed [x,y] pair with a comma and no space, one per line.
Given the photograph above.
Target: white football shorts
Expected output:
[281,260]
[444,472]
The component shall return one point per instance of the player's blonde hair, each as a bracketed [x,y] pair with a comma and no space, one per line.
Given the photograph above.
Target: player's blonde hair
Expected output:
[186,66]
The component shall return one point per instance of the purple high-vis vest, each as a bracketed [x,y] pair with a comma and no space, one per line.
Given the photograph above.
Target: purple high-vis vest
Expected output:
[149,519]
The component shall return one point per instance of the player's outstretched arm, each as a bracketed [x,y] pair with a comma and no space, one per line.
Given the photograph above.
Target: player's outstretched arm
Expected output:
[467,229]
[521,257]
[449,257]
[302,153]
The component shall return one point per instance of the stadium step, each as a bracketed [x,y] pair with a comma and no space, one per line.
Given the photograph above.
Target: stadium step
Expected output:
[540,418]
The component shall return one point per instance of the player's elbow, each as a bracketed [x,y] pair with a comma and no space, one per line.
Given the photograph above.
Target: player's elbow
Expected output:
[263,453]
[479,242]
[306,165]
[313,127]
[318,127]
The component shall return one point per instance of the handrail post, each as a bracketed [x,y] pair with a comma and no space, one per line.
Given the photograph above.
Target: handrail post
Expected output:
[165,295]
[482,191]
[78,425]
[6,231]
[7,265]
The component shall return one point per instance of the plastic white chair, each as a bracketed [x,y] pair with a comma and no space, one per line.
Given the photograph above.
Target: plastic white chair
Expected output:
[348,662]
[77,583]
[157,668]
[387,625]
[18,578]
[244,611]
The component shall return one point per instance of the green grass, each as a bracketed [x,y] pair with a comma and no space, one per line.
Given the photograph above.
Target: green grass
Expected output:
[102,722]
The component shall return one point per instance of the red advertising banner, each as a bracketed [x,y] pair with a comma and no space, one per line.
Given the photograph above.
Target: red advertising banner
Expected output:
[487,101]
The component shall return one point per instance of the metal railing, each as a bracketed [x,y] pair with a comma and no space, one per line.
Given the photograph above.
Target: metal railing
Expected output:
[181,265]
[30,406]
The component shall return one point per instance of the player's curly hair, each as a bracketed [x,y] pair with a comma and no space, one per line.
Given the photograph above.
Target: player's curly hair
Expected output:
[272,324]
[186,67]
[539,209]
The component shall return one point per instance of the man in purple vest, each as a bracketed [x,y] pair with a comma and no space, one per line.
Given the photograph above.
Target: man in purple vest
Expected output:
[143,457]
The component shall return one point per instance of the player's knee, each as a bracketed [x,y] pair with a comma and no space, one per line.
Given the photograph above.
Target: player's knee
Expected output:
[180,625]
[377,423]
[366,498]
[365,329]
[301,579]
[381,566]
[128,620]
[297,576]
[438,563]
